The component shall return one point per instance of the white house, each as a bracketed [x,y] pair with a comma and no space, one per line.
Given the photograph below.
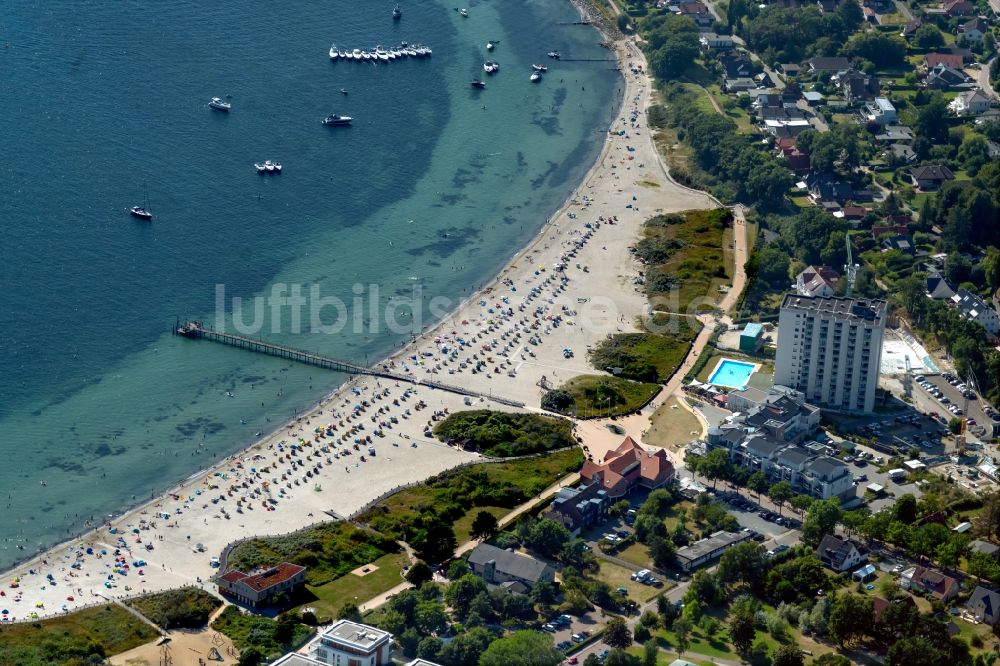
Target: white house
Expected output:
[348,643]
[839,554]
[881,111]
[970,103]
[977,310]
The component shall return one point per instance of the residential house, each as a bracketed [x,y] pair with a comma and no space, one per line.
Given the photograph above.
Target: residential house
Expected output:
[910,28]
[970,103]
[903,153]
[854,214]
[902,243]
[944,77]
[870,16]
[973,31]
[498,566]
[629,466]
[710,40]
[976,309]
[984,604]
[738,85]
[880,230]
[858,87]
[880,111]
[347,643]
[813,98]
[705,550]
[823,188]
[938,288]
[879,605]
[817,281]
[932,60]
[579,508]
[697,12]
[296,659]
[894,134]
[985,547]
[931,176]
[259,588]
[958,8]
[736,65]
[839,554]
[824,65]
[798,163]
[928,581]
[789,69]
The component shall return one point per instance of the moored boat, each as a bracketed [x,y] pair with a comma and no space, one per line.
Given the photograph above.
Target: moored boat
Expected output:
[220,104]
[478,84]
[140,212]
[464,12]
[491,67]
[535,77]
[335,119]
[540,68]
[553,54]
[397,13]
[334,53]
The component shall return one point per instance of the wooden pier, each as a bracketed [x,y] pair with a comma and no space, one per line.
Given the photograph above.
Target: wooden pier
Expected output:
[196,331]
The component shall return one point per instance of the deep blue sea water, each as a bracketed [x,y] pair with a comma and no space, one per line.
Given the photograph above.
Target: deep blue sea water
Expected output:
[435,184]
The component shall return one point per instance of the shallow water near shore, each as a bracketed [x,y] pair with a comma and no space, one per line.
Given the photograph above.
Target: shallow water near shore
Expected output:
[434,186]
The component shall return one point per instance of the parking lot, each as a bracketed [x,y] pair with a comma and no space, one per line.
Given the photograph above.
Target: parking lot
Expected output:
[567,630]
[954,399]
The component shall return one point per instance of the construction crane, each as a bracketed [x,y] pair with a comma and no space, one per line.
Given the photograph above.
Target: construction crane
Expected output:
[851,268]
[970,385]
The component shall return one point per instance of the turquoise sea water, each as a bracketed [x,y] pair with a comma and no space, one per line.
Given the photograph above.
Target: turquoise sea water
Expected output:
[435,185]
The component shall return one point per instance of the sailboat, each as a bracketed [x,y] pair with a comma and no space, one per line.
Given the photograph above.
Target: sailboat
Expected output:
[142,212]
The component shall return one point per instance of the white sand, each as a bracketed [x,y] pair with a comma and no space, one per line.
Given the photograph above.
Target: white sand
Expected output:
[570,309]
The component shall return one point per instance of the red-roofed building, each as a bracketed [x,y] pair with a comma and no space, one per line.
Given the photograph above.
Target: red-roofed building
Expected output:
[929,581]
[932,60]
[629,466]
[256,589]
[879,605]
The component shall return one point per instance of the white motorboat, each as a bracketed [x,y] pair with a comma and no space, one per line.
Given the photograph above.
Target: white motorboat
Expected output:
[220,104]
[489,46]
[491,67]
[540,68]
[464,12]
[554,55]
[334,54]
[535,77]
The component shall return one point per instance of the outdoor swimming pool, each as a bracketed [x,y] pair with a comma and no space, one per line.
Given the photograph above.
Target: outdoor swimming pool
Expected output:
[732,374]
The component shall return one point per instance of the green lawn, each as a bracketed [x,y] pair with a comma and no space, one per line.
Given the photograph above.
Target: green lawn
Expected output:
[186,607]
[106,630]
[358,589]
[671,426]
[463,526]
[603,396]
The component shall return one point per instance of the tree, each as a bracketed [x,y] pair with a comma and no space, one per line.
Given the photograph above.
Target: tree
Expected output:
[619,508]
[788,655]
[429,647]
[928,36]
[662,551]
[522,648]
[742,629]
[461,592]
[878,47]
[436,542]
[850,618]
[557,400]
[250,656]
[650,652]
[349,611]
[547,537]
[741,563]
[677,54]
[715,465]
[682,631]
[772,268]
[467,646]
[757,482]
[430,618]
[484,525]
[457,568]
[821,519]
[932,120]
[780,493]
[801,503]
[905,510]
[419,574]
[617,633]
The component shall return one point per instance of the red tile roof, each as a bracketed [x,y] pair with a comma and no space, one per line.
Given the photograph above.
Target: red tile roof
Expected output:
[265,579]
[932,60]
[627,465]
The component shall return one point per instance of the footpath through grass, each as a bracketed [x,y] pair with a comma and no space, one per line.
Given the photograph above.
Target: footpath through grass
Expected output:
[603,396]
[86,636]
[183,608]
[350,588]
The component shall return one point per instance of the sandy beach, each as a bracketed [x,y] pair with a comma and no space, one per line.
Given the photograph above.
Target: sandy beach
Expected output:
[568,289]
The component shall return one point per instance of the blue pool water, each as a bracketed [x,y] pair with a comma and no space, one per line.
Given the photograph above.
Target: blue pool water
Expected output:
[732,374]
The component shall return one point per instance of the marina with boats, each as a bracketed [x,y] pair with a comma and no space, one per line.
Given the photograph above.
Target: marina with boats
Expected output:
[381,54]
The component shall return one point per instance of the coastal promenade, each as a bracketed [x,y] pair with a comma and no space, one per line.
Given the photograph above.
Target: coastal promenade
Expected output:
[572,285]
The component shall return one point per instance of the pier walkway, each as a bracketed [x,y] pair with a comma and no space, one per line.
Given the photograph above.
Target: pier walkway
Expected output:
[196,331]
